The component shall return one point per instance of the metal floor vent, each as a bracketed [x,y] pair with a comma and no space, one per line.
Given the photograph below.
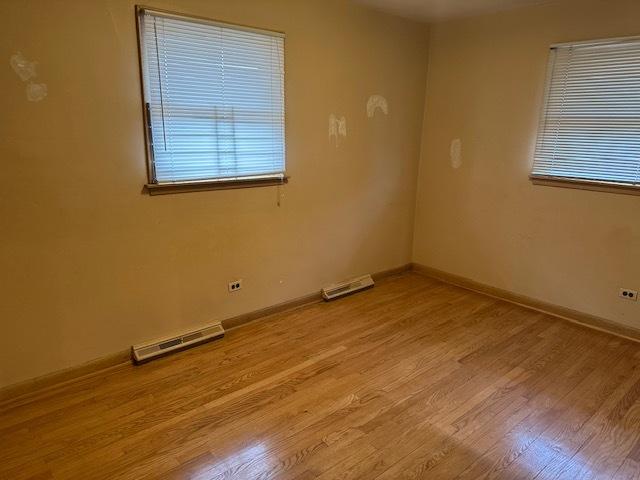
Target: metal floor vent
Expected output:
[346,288]
[148,351]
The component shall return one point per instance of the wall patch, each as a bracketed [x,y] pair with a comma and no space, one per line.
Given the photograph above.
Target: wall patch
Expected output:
[455,153]
[375,103]
[36,91]
[337,128]
[26,71]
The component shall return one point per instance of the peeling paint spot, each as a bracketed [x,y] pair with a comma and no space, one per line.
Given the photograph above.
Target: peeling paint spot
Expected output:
[375,103]
[455,153]
[337,128]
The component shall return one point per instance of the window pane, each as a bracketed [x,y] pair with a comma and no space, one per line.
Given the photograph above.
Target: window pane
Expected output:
[215,96]
[590,128]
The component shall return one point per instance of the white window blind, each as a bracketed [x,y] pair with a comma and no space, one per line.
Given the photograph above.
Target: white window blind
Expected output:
[214,96]
[590,127]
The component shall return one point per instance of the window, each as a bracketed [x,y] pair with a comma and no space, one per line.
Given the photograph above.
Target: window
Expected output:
[214,102]
[590,127]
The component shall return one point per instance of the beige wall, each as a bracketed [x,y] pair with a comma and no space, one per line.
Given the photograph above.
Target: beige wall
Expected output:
[485,220]
[90,265]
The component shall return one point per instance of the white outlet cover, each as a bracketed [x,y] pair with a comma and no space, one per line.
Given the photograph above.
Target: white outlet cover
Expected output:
[629,294]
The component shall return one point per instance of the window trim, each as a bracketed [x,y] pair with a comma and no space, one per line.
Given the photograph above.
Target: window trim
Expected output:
[221,184]
[597,41]
[581,184]
[153,186]
[568,182]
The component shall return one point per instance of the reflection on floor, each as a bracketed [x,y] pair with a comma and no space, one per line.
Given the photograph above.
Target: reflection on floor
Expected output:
[413,379]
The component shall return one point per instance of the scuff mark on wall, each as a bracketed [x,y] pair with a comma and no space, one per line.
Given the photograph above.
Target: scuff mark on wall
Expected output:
[375,103]
[26,71]
[115,26]
[337,128]
[279,196]
[455,153]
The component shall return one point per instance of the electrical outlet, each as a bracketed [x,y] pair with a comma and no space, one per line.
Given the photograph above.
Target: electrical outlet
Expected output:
[629,294]
[235,286]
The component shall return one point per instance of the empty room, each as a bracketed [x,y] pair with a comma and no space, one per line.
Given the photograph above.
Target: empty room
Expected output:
[320,239]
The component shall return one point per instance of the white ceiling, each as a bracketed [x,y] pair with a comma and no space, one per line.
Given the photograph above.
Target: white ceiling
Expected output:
[434,10]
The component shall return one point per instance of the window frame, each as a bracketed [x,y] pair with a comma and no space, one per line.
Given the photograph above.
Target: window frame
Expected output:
[153,186]
[568,182]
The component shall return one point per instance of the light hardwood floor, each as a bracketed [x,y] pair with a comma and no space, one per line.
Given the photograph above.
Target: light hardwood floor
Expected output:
[413,379]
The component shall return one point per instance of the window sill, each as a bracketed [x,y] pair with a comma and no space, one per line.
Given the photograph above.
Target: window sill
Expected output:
[205,185]
[596,186]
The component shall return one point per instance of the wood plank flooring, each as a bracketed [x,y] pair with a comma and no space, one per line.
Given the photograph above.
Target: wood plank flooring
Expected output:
[412,379]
